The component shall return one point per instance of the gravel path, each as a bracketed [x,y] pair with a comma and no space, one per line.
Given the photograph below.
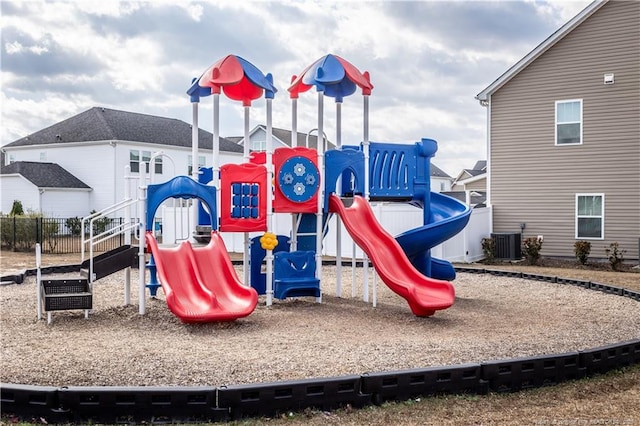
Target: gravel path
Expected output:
[492,318]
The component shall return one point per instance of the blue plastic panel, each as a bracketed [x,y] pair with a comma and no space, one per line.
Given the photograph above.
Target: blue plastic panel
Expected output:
[299,179]
[392,170]
[343,162]
[257,253]
[180,187]
[205,176]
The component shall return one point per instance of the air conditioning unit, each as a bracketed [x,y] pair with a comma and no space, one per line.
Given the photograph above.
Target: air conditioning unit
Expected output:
[508,245]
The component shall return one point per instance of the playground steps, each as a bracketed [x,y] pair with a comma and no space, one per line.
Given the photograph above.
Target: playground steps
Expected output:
[66,294]
[112,261]
[202,234]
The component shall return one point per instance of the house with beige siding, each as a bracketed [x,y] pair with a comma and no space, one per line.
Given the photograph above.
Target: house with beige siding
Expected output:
[564,135]
[474,179]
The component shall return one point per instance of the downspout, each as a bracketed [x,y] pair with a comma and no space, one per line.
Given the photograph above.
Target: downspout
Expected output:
[40,192]
[487,104]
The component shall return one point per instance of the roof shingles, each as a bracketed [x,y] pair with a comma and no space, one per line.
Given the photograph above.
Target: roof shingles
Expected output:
[44,175]
[99,124]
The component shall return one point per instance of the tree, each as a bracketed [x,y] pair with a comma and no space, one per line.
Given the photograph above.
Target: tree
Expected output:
[16,209]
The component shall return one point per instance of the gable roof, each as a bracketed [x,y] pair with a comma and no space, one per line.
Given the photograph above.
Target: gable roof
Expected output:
[438,172]
[480,168]
[460,180]
[478,198]
[540,49]
[44,175]
[100,124]
[285,136]
[480,165]
[475,172]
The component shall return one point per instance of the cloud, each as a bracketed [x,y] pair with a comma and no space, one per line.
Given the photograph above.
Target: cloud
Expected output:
[32,57]
[427,61]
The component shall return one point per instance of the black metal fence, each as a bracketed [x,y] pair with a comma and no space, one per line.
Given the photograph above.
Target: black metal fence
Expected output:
[55,235]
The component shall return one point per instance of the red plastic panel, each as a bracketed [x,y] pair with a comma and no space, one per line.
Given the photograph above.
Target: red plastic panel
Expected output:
[251,180]
[281,202]
[258,157]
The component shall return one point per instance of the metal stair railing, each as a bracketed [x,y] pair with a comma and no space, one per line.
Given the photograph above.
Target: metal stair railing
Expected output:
[115,231]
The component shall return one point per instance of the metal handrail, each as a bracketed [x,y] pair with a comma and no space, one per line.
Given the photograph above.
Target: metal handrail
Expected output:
[107,234]
[102,213]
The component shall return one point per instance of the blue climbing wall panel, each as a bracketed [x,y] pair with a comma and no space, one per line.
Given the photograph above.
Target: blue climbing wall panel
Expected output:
[392,170]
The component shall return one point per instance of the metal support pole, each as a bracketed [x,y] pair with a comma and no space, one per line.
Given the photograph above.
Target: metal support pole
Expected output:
[127,235]
[269,166]
[320,150]
[247,240]
[38,280]
[339,192]
[142,204]
[365,143]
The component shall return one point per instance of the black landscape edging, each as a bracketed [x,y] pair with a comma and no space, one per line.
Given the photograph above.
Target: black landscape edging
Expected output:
[405,384]
[195,404]
[18,278]
[532,372]
[538,277]
[512,274]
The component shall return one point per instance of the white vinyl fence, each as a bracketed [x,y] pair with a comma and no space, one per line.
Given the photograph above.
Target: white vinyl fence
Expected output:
[394,217]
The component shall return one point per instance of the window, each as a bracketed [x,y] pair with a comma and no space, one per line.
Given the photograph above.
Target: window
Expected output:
[569,122]
[259,145]
[157,168]
[134,159]
[146,157]
[202,162]
[590,216]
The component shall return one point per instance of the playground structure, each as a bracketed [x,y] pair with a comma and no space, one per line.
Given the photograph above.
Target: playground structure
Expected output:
[348,199]
[200,283]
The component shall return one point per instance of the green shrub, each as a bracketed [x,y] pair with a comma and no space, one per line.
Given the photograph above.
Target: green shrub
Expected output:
[531,249]
[615,255]
[21,233]
[50,230]
[489,249]
[75,225]
[100,225]
[582,249]
[16,208]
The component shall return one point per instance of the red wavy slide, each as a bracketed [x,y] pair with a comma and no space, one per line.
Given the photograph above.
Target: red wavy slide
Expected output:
[425,295]
[199,283]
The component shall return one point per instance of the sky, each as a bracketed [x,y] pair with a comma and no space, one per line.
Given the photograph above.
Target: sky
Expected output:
[427,61]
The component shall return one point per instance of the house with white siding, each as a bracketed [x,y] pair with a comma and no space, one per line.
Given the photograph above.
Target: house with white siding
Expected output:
[280,138]
[46,188]
[564,135]
[94,147]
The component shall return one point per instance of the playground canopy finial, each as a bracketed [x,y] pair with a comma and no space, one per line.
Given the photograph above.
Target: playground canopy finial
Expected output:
[238,78]
[332,75]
